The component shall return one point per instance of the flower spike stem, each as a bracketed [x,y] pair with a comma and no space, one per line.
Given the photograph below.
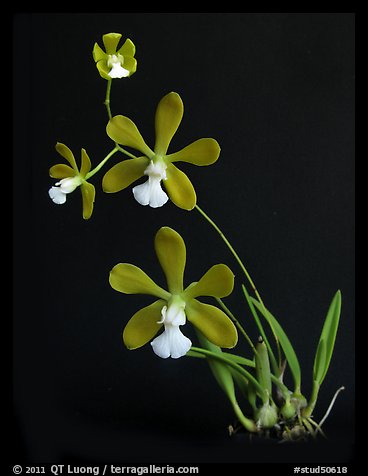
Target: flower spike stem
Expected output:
[107,98]
[235,254]
[108,108]
[244,269]
[102,163]
[237,323]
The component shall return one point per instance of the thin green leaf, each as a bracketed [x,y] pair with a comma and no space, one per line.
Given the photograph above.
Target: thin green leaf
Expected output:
[328,336]
[219,370]
[263,369]
[224,377]
[275,367]
[239,359]
[319,361]
[246,388]
[285,343]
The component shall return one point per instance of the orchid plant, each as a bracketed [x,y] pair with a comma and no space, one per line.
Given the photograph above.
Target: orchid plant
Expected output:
[271,407]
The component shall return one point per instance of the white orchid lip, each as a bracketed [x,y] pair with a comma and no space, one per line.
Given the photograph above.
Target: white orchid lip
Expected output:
[150,193]
[61,189]
[172,342]
[115,62]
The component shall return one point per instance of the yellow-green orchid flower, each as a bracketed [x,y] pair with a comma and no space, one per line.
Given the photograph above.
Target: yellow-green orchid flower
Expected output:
[157,164]
[177,304]
[71,178]
[115,64]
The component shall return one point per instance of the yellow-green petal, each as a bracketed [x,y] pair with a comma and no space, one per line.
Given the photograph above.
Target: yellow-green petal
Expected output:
[65,152]
[88,198]
[130,64]
[129,279]
[143,326]
[60,171]
[122,130]
[179,188]
[203,151]
[123,174]
[85,163]
[169,113]
[212,323]
[110,41]
[128,49]
[103,69]
[98,53]
[171,253]
[217,282]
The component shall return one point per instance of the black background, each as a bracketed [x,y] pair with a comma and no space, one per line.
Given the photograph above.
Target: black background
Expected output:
[277,91]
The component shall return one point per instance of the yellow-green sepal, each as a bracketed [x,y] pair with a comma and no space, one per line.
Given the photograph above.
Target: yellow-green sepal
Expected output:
[171,252]
[65,152]
[111,41]
[122,130]
[168,116]
[60,171]
[203,151]
[98,53]
[129,279]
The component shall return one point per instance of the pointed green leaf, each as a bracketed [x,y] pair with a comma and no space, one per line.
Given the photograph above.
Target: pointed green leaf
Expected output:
[319,361]
[327,338]
[219,370]
[284,341]
[263,368]
[272,357]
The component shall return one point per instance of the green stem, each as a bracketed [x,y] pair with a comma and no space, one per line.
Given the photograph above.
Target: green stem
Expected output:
[246,422]
[245,271]
[308,410]
[237,323]
[198,352]
[235,254]
[107,98]
[275,365]
[108,108]
[102,163]
[132,156]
